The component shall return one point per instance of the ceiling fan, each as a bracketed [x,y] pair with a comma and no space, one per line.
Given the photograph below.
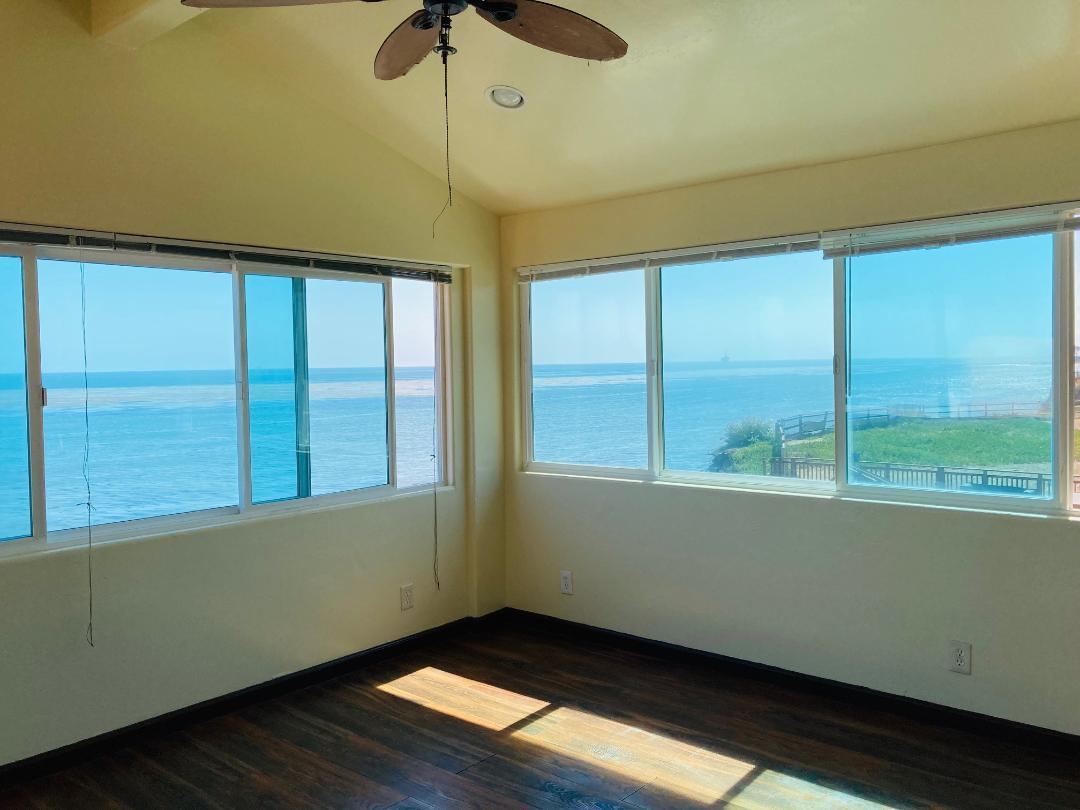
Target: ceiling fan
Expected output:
[428,31]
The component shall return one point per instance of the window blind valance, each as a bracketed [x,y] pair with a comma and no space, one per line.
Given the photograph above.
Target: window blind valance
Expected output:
[671,258]
[949,231]
[839,244]
[103,241]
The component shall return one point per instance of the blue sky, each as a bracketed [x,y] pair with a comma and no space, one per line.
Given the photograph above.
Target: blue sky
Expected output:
[988,300]
[138,319]
[146,319]
[11,323]
[596,319]
[768,308]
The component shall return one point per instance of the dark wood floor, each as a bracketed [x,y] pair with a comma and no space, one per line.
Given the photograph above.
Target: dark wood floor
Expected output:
[508,715]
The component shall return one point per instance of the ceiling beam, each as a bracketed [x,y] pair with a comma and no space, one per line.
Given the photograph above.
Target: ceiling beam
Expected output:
[133,23]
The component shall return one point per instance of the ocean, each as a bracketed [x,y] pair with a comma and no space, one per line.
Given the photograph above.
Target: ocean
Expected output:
[597,414]
[164,443]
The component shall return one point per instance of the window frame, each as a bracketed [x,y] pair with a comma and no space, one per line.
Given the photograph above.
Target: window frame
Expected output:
[1063,390]
[245,269]
[1060,411]
[34,404]
[654,404]
[42,539]
[652,264]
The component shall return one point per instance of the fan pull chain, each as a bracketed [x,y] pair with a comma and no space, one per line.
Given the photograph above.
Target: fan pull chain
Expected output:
[446,119]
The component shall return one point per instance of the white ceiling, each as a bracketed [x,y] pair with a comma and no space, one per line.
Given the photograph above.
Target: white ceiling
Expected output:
[710,88]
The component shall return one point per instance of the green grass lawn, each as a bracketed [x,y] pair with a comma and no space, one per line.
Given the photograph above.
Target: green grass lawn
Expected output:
[751,460]
[950,442]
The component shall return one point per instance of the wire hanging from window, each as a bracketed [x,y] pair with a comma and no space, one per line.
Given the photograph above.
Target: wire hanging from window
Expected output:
[89,503]
[436,476]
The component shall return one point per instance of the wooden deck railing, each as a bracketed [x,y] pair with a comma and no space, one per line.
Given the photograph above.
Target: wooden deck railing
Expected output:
[805,426]
[918,476]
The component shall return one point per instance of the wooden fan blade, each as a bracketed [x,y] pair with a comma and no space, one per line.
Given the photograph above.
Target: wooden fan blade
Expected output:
[560,30]
[261,3]
[405,48]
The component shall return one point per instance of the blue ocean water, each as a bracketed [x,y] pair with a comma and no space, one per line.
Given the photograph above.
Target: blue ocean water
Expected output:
[598,414]
[165,443]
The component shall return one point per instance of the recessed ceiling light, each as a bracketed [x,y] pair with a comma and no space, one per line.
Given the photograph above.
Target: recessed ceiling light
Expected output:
[507,97]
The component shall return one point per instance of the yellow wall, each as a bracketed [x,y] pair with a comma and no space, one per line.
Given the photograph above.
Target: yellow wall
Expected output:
[863,593]
[1018,168]
[181,139]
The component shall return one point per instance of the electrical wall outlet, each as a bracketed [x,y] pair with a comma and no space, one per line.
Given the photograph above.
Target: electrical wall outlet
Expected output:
[566,582]
[960,657]
[407,596]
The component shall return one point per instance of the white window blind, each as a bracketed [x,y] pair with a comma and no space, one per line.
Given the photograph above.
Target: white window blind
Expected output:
[949,231]
[834,244]
[672,258]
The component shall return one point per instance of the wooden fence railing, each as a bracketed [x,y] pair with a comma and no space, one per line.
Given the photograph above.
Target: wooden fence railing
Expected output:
[917,476]
[805,426]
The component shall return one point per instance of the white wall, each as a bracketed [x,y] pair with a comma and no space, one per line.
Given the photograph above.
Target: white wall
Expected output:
[181,138]
[862,593]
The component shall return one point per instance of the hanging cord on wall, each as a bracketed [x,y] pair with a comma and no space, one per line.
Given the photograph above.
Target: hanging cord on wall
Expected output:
[86,462]
[445,50]
[436,476]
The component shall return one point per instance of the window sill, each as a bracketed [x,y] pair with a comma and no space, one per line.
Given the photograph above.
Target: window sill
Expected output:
[985,504]
[147,528]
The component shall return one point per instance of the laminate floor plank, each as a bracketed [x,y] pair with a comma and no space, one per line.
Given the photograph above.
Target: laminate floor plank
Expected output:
[537,787]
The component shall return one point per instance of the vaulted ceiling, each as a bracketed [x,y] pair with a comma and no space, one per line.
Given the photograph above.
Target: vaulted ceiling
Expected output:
[710,88]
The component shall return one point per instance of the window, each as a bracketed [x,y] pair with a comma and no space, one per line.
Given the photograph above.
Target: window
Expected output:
[747,371]
[950,359]
[154,430]
[274,414]
[15,518]
[925,361]
[317,386]
[346,331]
[589,397]
[416,406]
[185,384]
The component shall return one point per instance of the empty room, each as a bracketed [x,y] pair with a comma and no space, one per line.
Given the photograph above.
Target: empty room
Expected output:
[503,403]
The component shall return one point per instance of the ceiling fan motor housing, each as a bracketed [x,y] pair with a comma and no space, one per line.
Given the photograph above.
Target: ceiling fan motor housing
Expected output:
[499,9]
[446,8]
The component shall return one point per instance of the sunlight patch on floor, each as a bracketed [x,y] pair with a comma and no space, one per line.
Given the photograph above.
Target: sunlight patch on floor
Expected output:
[670,765]
[665,766]
[468,700]
[772,789]
[674,767]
